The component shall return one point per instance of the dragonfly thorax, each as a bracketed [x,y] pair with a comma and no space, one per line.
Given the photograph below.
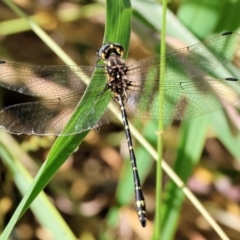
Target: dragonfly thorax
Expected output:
[116,72]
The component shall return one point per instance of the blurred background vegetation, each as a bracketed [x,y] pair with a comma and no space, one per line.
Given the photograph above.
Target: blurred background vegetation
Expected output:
[93,190]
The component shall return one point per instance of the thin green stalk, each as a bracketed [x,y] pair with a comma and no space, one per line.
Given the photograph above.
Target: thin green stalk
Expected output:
[157,231]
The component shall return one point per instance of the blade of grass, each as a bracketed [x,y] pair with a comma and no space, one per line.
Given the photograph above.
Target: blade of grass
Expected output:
[118,23]
[158,224]
[216,18]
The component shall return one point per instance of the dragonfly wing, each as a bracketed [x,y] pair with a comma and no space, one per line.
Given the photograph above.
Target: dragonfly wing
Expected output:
[49,117]
[193,61]
[184,99]
[47,81]
[184,79]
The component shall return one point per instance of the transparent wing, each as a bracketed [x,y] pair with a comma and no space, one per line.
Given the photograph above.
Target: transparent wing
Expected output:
[64,87]
[48,81]
[190,62]
[49,117]
[184,81]
[183,100]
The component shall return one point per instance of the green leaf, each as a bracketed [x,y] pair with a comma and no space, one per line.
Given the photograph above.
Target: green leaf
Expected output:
[118,23]
[203,17]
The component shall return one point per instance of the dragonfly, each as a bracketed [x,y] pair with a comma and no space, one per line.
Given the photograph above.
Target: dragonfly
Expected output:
[133,89]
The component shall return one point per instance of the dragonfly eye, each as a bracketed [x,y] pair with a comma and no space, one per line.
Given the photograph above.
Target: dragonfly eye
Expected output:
[120,50]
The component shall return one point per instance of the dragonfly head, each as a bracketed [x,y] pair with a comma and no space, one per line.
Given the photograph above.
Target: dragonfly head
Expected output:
[109,49]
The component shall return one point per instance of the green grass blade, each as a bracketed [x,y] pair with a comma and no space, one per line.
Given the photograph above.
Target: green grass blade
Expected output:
[216,18]
[118,23]
[159,174]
